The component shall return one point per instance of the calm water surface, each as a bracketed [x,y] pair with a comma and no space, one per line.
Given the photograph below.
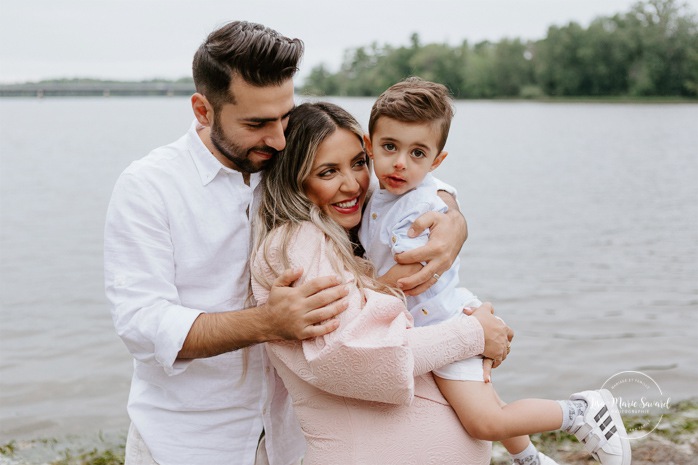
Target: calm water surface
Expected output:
[583,232]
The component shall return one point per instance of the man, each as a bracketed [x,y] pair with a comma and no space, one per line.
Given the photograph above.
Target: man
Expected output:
[177,241]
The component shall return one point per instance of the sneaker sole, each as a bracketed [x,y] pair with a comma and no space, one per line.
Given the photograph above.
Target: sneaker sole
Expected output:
[618,422]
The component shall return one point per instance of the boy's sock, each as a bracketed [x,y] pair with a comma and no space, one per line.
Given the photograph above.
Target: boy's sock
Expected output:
[571,409]
[528,456]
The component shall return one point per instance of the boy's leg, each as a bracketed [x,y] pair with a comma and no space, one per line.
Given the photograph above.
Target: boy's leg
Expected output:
[478,408]
[519,444]
[590,415]
[520,448]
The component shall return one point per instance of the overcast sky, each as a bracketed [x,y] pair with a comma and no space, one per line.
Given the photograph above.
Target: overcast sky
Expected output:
[144,39]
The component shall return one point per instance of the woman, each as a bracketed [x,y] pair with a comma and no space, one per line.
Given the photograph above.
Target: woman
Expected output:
[364,393]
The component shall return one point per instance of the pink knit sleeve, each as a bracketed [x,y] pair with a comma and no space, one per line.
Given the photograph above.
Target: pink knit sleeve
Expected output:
[374,354]
[440,344]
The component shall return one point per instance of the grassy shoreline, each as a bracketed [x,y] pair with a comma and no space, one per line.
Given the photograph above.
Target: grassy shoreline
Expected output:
[673,441]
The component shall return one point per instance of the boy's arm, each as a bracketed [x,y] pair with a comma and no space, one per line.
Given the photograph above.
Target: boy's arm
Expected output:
[447,234]
[397,272]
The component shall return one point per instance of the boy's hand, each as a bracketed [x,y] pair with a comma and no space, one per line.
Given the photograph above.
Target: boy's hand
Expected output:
[396,272]
[487,365]
[447,234]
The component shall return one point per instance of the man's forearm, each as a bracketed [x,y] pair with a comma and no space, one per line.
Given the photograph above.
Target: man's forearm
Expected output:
[217,333]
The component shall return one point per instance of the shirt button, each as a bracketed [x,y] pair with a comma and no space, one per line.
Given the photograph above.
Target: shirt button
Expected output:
[394,239]
[425,311]
[374,215]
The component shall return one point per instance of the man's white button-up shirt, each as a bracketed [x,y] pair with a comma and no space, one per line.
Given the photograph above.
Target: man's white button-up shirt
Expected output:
[177,243]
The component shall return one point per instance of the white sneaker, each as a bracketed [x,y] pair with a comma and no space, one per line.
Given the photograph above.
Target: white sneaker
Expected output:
[601,429]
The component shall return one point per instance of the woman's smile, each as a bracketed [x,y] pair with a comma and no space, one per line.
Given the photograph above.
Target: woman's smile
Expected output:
[348,206]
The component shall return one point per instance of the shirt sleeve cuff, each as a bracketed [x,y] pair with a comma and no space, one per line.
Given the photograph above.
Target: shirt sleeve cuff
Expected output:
[442,186]
[172,332]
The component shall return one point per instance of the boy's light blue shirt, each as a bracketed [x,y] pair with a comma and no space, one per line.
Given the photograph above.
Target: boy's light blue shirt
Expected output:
[383,233]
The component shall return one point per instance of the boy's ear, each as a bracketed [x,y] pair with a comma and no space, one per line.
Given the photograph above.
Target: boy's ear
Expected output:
[437,161]
[203,110]
[368,146]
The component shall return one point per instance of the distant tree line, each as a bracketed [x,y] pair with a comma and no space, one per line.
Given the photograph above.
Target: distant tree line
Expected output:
[652,50]
[86,87]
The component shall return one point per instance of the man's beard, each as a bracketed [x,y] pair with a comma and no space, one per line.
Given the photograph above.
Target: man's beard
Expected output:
[238,155]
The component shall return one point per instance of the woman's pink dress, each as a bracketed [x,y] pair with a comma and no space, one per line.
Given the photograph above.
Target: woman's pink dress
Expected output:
[364,393]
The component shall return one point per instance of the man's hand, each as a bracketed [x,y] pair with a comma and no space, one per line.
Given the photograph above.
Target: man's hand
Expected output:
[306,311]
[291,313]
[447,234]
[498,337]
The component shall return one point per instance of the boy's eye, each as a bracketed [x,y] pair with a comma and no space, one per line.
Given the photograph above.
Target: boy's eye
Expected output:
[418,153]
[389,147]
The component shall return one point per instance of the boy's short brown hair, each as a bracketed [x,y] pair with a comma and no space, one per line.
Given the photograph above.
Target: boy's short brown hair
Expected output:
[415,100]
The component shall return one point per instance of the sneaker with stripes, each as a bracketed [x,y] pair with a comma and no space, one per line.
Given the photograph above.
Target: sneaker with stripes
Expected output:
[601,428]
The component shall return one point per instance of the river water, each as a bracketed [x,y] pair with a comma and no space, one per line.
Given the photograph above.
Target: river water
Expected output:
[583,225]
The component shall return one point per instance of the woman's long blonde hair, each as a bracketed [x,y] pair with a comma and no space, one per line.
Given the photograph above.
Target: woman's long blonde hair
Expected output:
[284,204]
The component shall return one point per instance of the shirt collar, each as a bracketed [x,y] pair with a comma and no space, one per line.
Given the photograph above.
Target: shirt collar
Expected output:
[206,163]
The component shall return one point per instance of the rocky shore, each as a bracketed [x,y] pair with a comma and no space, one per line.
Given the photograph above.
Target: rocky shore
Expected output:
[670,440]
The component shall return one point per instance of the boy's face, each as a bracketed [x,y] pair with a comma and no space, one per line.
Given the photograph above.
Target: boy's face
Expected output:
[403,153]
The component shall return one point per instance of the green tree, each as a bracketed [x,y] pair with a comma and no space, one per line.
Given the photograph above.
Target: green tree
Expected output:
[321,81]
[512,69]
[615,52]
[478,79]
[440,63]
[560,61]
[357,71]
[650,50]
[666,36]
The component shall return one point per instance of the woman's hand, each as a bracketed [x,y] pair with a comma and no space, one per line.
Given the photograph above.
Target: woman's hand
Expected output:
[447,234]
[498,337]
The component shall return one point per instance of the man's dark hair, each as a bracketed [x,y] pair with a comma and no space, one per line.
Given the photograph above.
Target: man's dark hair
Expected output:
[259,55]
